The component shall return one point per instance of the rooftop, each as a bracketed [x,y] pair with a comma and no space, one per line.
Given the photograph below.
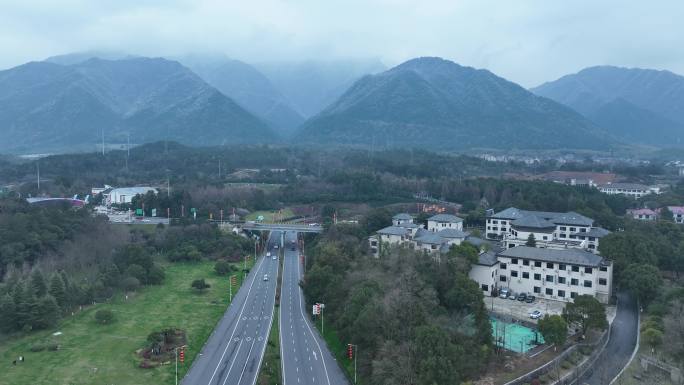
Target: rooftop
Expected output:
[402,216]
[445,218]
[644,211]
[533,221]
[393,230]
[567,256]
[487,259]
[626,186]
[676,209]
[430,238]
[132,190]
[598,232]
[569,218]
[452,233]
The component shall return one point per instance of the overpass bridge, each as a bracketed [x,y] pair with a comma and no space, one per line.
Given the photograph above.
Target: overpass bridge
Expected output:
[300,228]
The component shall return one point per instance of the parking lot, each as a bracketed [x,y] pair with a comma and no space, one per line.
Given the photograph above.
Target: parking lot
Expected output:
[520,310]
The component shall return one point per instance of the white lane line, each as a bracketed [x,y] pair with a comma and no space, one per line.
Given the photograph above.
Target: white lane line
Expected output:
[236,324]
[233,363]
[301,308]
[246,362]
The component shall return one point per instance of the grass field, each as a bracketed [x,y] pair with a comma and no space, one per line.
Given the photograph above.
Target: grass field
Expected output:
[270,216]
[105,354]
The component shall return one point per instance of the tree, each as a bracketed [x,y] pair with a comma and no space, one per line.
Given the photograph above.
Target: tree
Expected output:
[666,214]
[38,284]
[200,285]
[104,316]
[554,329]
[137,271]
[531,241]
[653,337]
[223,267]
[46,313]
[130,284]
[376,219]
[58,291]
[644,281]
[586,311]
[156,275]
[7,315]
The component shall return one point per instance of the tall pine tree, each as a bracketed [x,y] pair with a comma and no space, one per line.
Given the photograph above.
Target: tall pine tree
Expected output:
[58,291]
[38,283]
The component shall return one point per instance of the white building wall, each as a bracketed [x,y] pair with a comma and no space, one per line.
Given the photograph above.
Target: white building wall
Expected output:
[485,276]
[437,226]
[552,282]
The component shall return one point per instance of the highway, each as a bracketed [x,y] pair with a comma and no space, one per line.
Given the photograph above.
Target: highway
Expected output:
[233,353]
[305,357]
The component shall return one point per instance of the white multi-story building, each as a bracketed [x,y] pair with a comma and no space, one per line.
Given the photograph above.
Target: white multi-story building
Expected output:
[550,229]
[555,274]
[634,190]
[444,221]
[126,194]
[677,213]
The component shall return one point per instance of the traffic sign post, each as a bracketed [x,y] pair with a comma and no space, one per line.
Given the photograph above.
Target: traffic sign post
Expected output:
[352,352]
[182,358]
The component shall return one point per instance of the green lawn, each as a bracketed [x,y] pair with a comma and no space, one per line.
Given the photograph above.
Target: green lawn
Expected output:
[269,216]
[105,354]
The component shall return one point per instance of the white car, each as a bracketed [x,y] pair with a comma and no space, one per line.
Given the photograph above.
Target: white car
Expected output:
[268,253]
[536,314]
[274,257]
[265,277]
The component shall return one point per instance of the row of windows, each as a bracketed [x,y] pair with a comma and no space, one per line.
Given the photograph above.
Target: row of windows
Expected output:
[550,265]
[550,279]
[559,293]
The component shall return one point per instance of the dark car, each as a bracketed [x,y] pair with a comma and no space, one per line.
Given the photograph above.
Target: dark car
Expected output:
[522,297]
[530,299]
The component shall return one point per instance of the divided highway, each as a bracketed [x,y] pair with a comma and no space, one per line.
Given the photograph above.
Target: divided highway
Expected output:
[233,353]
[305,357]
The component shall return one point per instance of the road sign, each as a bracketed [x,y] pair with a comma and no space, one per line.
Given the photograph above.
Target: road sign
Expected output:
[154,212]
[182,355]
[350,351]
[316,309]
[233,280]
[139,212]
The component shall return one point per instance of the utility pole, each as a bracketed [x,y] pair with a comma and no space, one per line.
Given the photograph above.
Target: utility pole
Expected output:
[219,168]
[103,144]
[38,173]
[128,149]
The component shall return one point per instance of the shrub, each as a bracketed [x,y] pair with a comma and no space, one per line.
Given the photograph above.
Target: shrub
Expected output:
[566,364]
[130,284]
[223,267]
[104,316]
[200,285]
[38,347]
[53,347]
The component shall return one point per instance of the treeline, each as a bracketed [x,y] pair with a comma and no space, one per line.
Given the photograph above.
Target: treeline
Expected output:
[416,320]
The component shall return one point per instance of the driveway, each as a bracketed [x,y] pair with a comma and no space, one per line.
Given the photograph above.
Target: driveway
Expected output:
[623,336]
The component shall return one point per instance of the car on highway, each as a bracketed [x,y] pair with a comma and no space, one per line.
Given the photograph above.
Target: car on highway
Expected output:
[274,257]
[313,224]
[275,247]
[268,253]
[265,277]
[522,297]
[530,298]
[535,314]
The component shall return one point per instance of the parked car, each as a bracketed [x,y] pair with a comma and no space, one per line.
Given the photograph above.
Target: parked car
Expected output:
[522,297]
[536,314]
[512,296]
[503,293]
[265,277]
[530,299]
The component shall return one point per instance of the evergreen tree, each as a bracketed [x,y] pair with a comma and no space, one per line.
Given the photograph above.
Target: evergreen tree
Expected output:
[46,313]
[24,305]
[58,291]
[38,283]
[531,241]
[7,314]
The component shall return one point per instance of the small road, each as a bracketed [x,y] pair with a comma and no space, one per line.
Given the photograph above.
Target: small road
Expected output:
[306,359]
[233,353]
[623,336]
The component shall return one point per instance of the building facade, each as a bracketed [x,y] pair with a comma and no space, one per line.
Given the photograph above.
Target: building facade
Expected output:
[634,190]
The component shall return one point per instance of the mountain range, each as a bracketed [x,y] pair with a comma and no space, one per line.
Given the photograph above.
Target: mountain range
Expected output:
[68,102]
[640,106]
[52,107]
[435,103]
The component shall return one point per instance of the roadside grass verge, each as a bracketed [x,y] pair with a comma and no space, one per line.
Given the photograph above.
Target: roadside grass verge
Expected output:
[90,353]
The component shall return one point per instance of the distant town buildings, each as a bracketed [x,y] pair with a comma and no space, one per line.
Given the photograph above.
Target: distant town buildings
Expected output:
[643,214]
[122,195]
[634,190]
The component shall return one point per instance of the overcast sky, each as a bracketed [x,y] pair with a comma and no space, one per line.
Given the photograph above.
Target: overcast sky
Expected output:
[528,42]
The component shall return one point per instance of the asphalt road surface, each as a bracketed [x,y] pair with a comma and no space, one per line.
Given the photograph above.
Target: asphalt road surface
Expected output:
[623,336]
[234,351]
[306,359]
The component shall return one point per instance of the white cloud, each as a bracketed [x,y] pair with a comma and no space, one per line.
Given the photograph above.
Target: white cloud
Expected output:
[527,41]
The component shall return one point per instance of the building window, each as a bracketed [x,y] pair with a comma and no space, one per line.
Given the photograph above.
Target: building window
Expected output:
[603,282]
[549,278]
[575,268]
[537,277]
[561,279]
[549,291]
[537,264]
[562,228]
[526,275]
[549,265]
[561,293]
[583,230]
[587,283]
[485,287]
[502,278]
[574,281]
[502,266]
[588,270]
[526,262]
[514,261]
[495,222]
[573,294]
[545,237]
[495,228]
[514,273]
[537,289]
[561,266]
[603,268]
[572,229]
[562,235]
